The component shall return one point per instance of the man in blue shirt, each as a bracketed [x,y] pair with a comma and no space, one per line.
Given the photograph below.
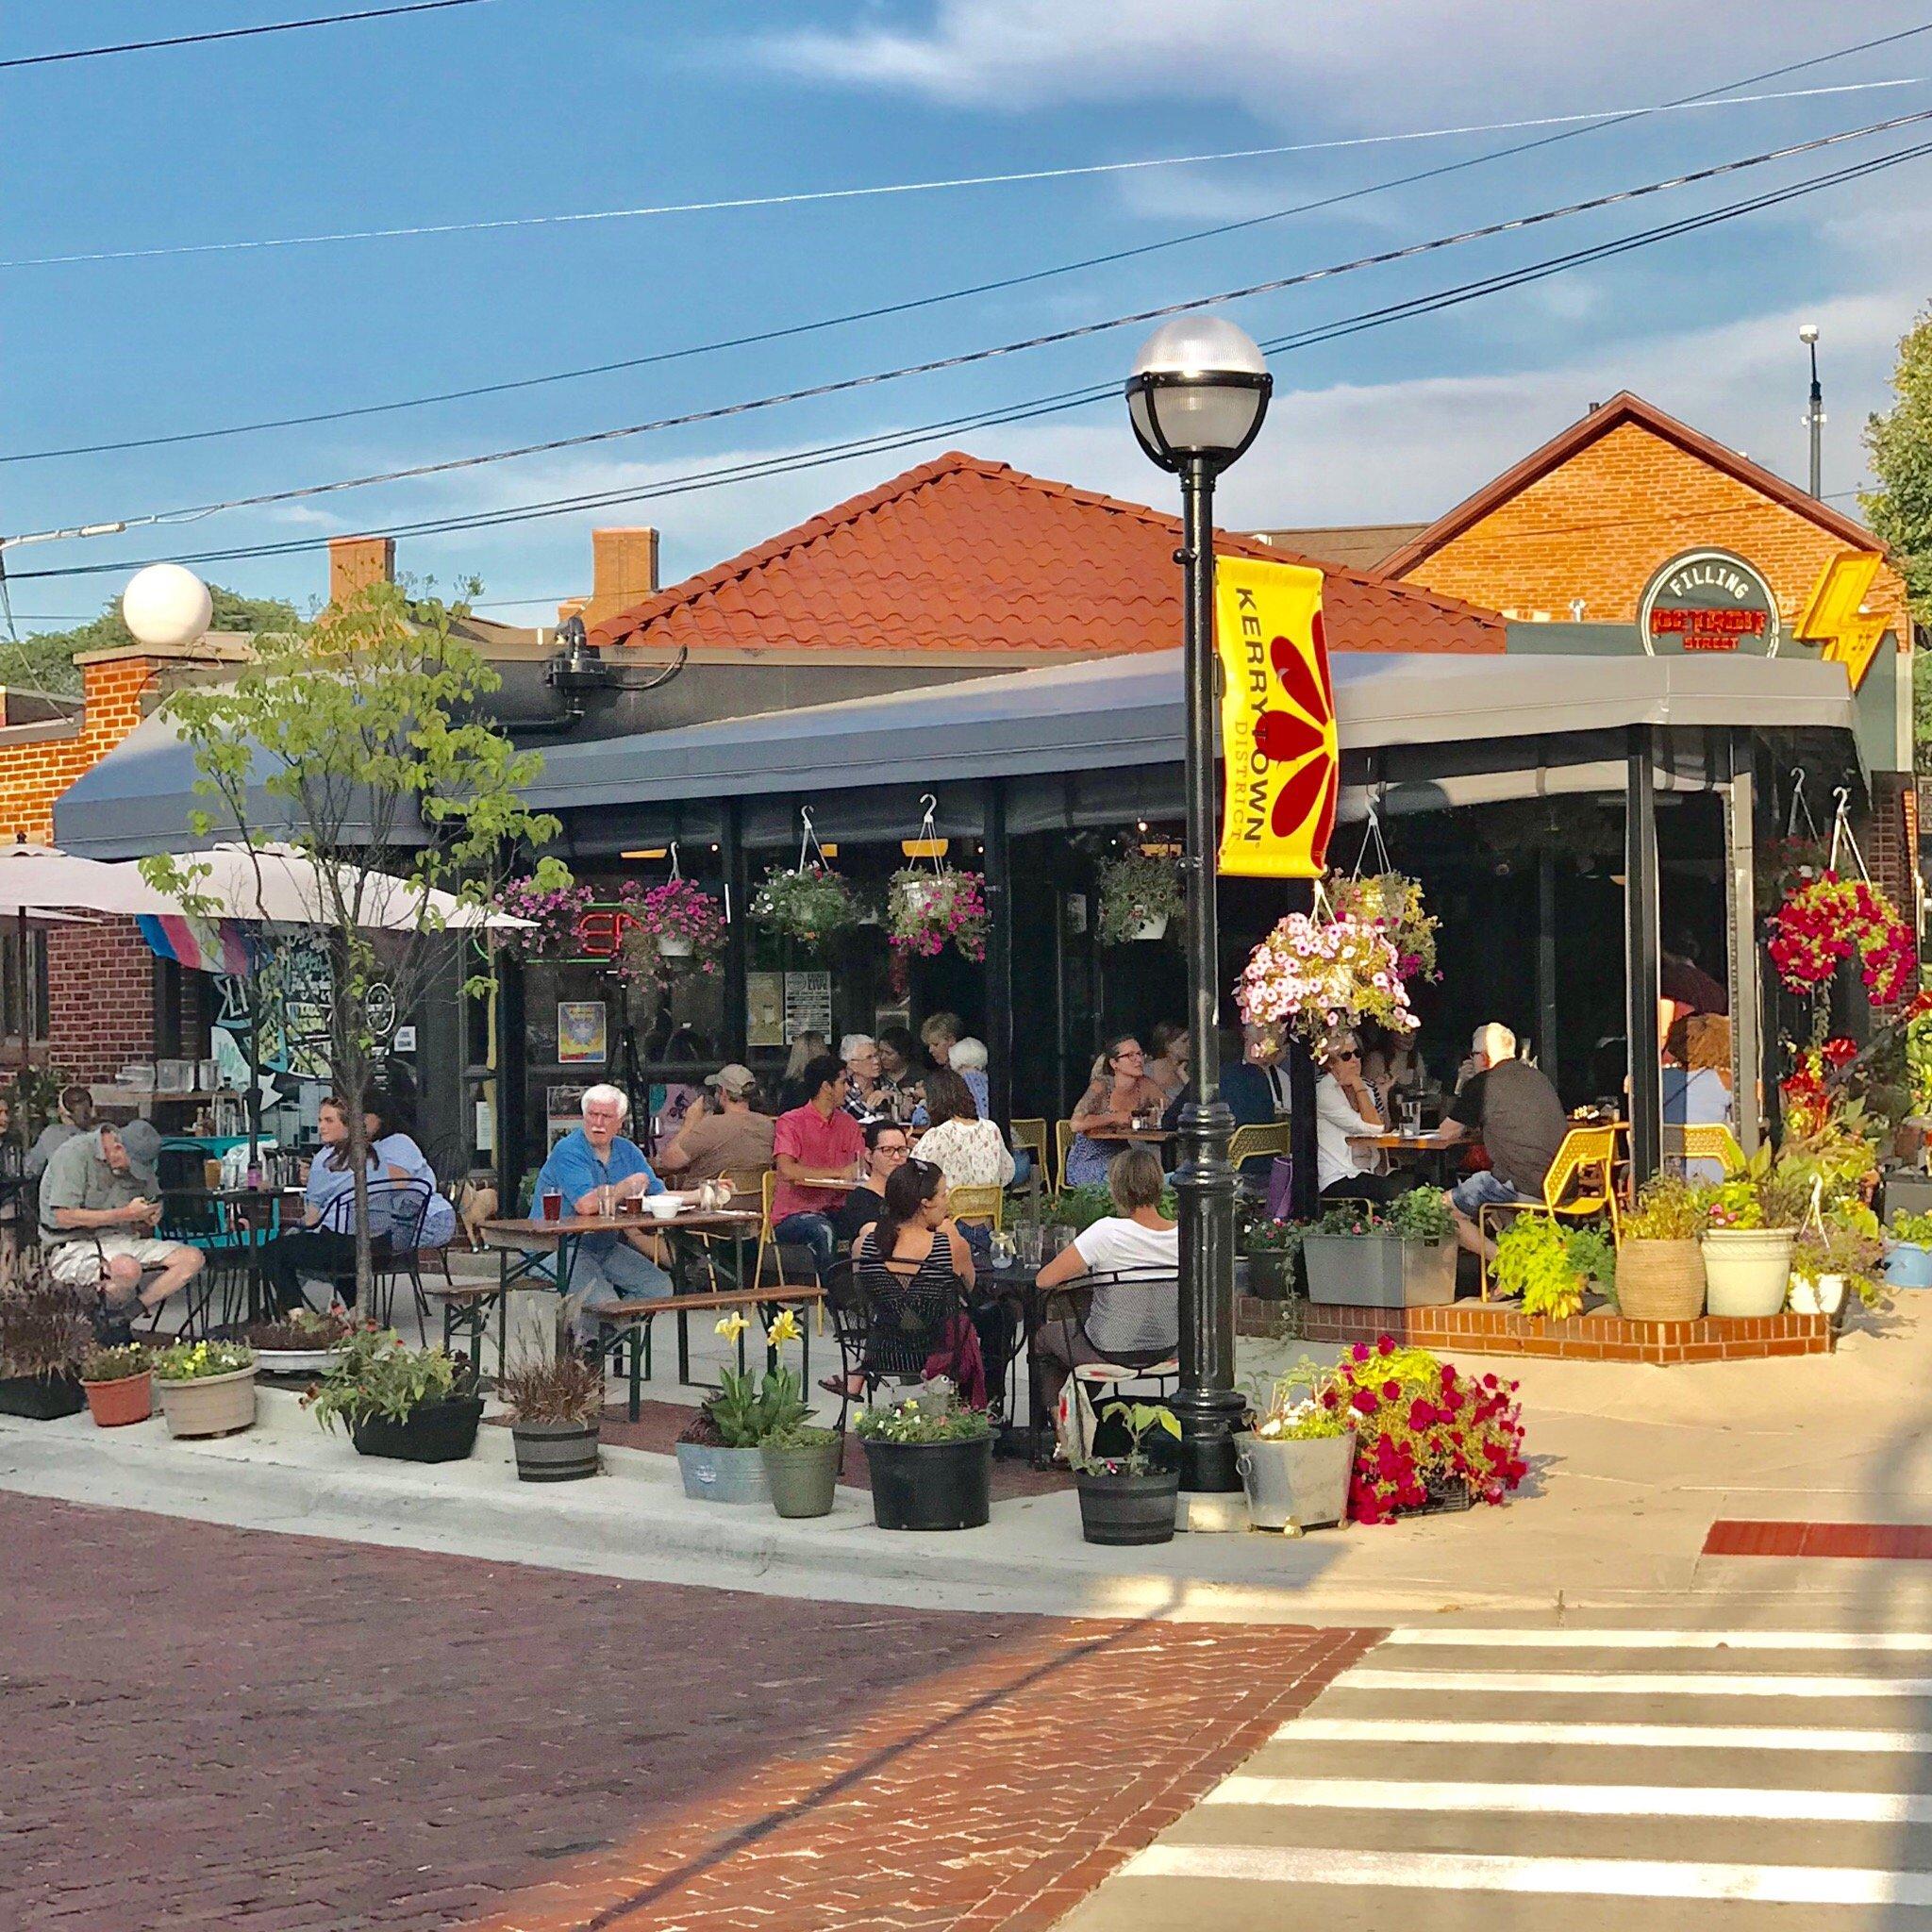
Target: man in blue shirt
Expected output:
[606,1268]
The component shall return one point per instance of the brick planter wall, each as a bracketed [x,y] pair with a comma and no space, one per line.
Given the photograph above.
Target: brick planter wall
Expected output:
[1479,1328]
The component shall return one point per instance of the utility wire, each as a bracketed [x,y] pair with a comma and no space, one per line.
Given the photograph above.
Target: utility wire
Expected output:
[234,33]
[914,303]
[795,461]
[969,357]
[805,197]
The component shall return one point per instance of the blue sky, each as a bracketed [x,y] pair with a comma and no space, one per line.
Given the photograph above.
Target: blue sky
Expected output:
[525,107]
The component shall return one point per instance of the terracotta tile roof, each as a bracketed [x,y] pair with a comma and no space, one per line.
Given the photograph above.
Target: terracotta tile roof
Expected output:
[1624,407]
[971,555]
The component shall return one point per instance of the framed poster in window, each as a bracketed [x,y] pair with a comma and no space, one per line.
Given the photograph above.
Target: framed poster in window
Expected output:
[581,1039]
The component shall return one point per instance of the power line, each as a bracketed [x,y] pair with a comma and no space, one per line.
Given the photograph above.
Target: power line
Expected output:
[964,359]
[997,285]
[883,442]
[235,33]
[803,197]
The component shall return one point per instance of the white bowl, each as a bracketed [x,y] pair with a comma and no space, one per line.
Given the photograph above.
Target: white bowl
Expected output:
[662,1207]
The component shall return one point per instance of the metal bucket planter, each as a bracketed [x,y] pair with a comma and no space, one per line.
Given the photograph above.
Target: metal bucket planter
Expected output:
[1295,1484]
[41,1398]
[802,1477]
[1660,1282]
[1747,1271]
[674,945]
[1824,1296]
[722,1475]
[126,1399]
[1379,1271]
[296,1362]
[1909,1265]
[441,1431]
[208,1404]
[1129,1509]
[556,1452]
[931,1485]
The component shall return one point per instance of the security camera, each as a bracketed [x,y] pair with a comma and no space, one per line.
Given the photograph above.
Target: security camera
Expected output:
[1808,332]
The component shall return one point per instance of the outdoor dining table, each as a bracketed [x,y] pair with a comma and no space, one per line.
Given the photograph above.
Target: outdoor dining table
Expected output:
[254,1217]
[1019,1281]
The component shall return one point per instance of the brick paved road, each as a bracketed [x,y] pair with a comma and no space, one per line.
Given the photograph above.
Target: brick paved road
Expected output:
[257,1733]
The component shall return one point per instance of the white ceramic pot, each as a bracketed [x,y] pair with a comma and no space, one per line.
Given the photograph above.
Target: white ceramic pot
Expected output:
[1747,1271]
[209,1404]
[1154,928]
[674,945]
[1824,1296]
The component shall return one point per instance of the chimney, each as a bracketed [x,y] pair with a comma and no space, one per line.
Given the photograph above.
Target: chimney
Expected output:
[355,562]
[624,572]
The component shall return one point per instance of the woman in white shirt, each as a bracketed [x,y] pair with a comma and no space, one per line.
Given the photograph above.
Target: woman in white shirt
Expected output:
[969,1152]
[1124,1318]
[1345,1116]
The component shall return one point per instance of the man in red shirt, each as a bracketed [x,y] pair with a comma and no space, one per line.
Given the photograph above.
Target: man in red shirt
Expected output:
[812,1144]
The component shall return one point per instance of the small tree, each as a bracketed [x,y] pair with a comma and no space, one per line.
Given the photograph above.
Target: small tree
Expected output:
[1900,446]
[358,741]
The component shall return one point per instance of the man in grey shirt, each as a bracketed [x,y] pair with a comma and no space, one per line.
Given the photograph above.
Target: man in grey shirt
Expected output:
[97,1225]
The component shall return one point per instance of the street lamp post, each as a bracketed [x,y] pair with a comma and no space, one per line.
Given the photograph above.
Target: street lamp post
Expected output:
[1814,415]
[1196,399]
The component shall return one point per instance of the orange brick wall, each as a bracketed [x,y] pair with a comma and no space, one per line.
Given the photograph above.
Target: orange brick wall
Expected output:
[1600,525]
[100,998]
[33,775]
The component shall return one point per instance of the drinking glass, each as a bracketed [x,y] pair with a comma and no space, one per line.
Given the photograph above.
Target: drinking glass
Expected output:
[1000,1248]
[1059,1237]
[553,1203]
[1032,1238]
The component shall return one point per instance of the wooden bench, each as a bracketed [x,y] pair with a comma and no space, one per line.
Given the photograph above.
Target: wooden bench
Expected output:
[466,1307]
[627,1326]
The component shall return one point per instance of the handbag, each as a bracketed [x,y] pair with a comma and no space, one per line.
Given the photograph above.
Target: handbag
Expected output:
[1280,1188]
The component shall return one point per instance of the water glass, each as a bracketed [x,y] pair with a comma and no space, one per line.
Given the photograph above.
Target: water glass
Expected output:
[1059,1237]
[1000,1248]
[1032,1240]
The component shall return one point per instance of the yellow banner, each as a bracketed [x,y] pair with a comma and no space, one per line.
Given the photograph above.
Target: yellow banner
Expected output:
[1277,720]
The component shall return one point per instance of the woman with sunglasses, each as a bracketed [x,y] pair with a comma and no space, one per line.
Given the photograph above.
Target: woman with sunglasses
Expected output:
[1346,1119]
[1120,1093]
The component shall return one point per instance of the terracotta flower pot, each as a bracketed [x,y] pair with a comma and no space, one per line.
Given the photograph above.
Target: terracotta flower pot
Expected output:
[128,1399]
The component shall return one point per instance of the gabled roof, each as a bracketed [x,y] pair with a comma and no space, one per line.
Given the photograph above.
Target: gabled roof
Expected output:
[962,555]
[1621,409]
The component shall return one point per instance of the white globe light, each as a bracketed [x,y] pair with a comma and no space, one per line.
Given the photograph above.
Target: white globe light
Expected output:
[165,604]
[1198,392]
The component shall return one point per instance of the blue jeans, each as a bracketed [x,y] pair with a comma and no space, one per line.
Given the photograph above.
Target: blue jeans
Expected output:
[617,1274]
[1482,1190]
[814,1231]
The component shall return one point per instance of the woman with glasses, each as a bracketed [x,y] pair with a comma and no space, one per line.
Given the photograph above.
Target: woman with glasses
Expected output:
[1121,1094]
[1346,1121]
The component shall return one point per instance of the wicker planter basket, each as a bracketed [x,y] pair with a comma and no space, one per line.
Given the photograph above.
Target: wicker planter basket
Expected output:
[1660,1282]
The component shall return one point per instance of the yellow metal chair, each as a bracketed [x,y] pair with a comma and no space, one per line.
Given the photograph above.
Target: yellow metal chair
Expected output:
[1709,1141]
[979,1204]
[1063,1143]
[1581,1184]
[1031,1135]
[1247,1143]
[767,1240]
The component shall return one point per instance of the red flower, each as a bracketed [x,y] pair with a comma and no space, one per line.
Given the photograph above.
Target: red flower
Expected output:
[1363,1402]
[1391,1391]
[1359,1352]
[1386,1346]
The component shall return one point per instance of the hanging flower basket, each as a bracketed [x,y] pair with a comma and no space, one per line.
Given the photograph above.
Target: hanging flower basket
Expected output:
[1322,977]
[1393,900]
[552,933]
[1139,894]
[809,905]
[677,924]
[927,910]
[1827,919]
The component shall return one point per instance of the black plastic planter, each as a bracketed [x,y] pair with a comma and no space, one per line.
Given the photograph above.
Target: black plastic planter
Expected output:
[435,1432]
[41,1398]
[1129,1509]
[931,1485]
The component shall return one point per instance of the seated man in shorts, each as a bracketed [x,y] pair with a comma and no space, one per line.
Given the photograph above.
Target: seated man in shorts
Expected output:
[97,1225]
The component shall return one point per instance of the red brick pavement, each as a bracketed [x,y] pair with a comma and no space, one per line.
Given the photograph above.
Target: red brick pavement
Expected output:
[259,1733]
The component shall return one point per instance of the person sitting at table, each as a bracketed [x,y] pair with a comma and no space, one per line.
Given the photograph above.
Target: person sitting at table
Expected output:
[97,1225]
[1391,1067]
[1138,1318]
[1168,1066]
[916,1271]
[1697,1083]
[323,1247]
[1346,1120]
[402,1162]
[807,1046]
[866,1098]
[1512,1107]
[966,1058]
[1120,1093]
[729,1140]
[940,1033]
[887,1144]
[812,1145]
[971,1151]
[899,1069]
[76,1116]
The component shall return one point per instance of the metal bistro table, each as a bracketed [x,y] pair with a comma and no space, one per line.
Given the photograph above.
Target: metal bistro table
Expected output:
[254,1215]
[1019,1281]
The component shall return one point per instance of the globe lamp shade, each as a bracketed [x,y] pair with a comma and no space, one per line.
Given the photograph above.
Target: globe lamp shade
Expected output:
[165,604]
[1198,392]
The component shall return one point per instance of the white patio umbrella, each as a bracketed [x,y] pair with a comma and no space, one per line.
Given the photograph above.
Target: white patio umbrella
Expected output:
[44,881]
[286,887]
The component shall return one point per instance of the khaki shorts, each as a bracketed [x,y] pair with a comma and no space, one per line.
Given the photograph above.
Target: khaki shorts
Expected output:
[83,1263]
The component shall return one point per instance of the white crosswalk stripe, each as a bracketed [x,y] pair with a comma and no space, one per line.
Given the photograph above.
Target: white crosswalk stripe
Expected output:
[1657,1781]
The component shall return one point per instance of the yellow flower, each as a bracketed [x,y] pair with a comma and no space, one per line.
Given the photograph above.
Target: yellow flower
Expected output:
[786,1327]
[731,1326]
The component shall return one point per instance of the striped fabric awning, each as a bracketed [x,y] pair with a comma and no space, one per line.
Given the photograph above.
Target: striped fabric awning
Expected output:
[206,945]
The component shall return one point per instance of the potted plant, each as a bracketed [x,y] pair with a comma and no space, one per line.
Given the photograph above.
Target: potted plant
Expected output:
[44,1334]
[412,1404]
[1138,893]
[1392,901]
[1747,1246]
[1908,1255]
[801,1459]
[808,906]
[1272,1246]
[931,1462]
[720,1454]
[676,921]
[1552,1265]
[1659,1264]
[1837,1255]
[306,1342]
[207,1387]
[1322,977]
[1297,1452]
[1427,1437]
[1825,921]
[555,1415]
[1406,1258]
[927,910]
[120,1385]
[1130,1498]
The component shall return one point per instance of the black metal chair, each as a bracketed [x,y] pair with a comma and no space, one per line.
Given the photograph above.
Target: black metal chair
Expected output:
[192,1217]
[1116,1367]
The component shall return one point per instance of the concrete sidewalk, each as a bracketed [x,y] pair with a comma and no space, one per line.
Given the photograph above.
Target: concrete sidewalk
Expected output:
[1631,1467]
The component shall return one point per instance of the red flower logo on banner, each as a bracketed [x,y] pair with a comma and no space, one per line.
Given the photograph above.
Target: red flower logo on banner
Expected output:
[1299,737]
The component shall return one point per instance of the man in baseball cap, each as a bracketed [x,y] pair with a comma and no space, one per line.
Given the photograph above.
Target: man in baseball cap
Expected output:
[729,1140]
